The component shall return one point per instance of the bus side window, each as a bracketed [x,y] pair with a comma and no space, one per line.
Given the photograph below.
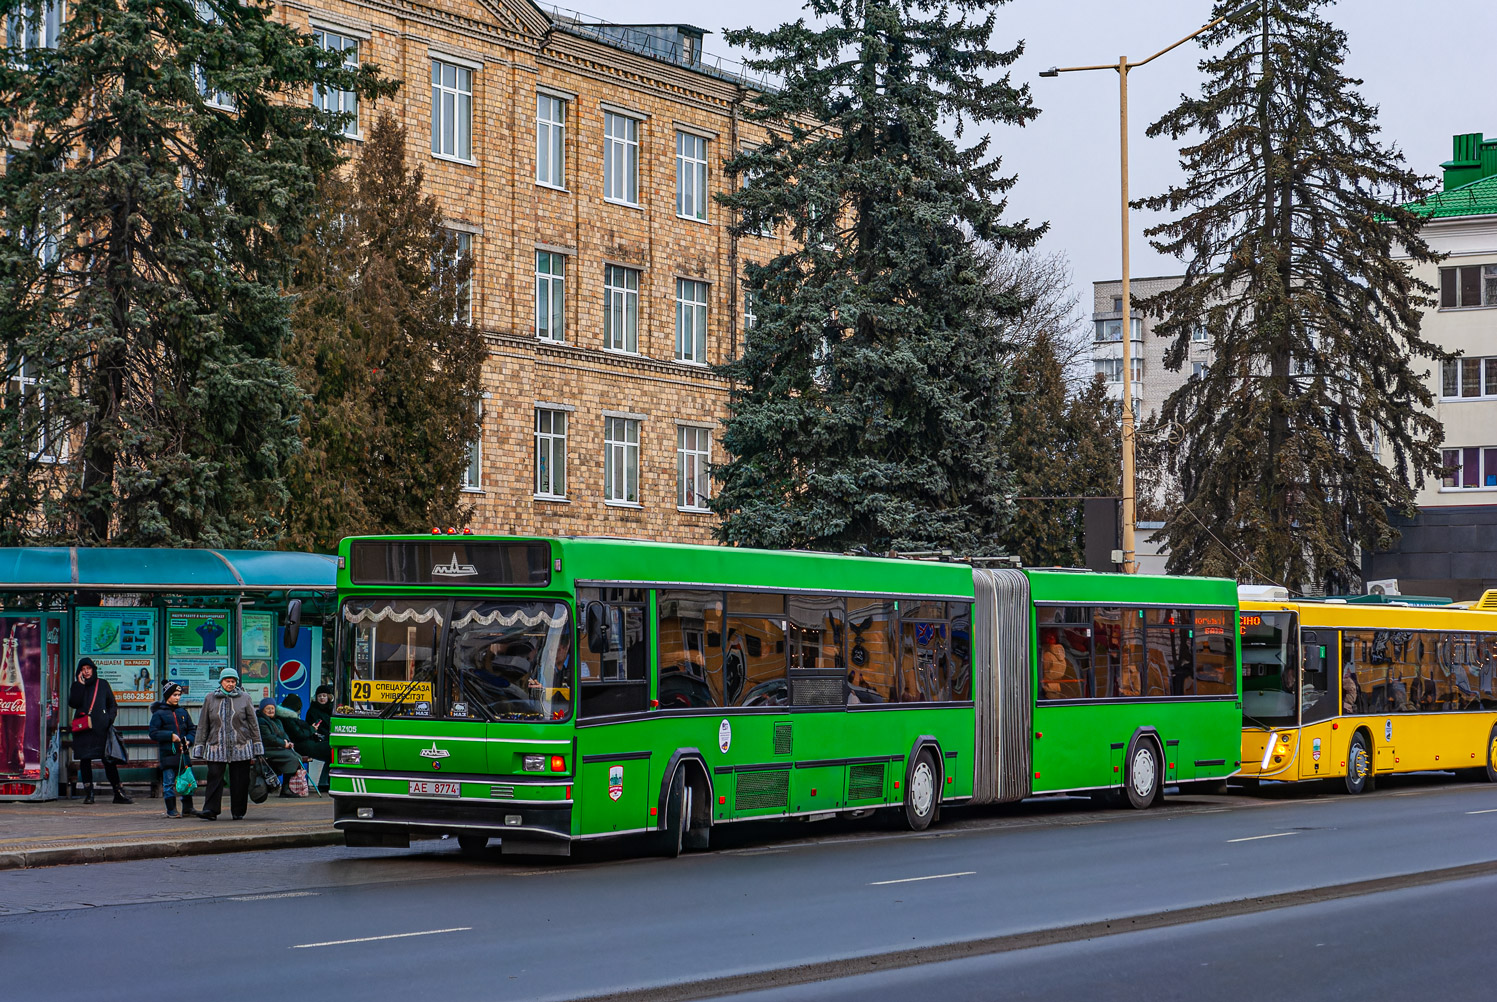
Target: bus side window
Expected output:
[871,651]
[614,651]
[689,639]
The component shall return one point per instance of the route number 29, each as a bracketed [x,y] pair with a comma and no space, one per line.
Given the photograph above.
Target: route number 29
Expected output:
[363,692]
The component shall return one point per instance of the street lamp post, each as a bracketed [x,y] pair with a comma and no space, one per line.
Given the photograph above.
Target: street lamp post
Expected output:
[1130,563]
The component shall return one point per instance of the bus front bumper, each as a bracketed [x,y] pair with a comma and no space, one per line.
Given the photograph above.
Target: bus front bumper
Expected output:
[386,819]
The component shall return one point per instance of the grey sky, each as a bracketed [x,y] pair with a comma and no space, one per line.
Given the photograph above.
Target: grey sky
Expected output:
[1426,64]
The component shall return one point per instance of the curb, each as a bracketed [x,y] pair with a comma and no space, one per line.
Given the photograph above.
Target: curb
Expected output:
[24,859]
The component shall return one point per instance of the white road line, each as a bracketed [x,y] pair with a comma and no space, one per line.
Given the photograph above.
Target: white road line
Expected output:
[1254,838]
[933,876]
[268,897]
[371,939]
[1492,810]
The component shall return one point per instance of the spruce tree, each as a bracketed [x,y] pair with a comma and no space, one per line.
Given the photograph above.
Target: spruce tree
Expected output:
[391,372]
[868,403]
[167,159]
[1312,421]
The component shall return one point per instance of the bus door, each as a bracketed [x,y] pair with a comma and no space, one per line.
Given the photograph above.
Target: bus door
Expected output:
[1319,704]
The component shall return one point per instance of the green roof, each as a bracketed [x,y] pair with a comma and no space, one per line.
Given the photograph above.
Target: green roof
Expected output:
[1479,198]
[64,568]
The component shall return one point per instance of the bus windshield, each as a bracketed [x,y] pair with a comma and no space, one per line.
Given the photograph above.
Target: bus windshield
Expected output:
[480,660]
[1270,659]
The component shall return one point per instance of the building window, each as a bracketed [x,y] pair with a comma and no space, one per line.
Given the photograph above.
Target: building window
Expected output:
[693,453]
[35,26]
[473,472]
[750,314]
[550,295]
[691,176]
[621,460]
[332,100]
[620,159]
[212,96]
[1197,369]
[1468,377]
[1470,467]
[1111,369]
[691,321]
[451,110]
[754,224]
[1112,330]
[1468,285]
[550,453]
[551,140]
[620,308]
[1199,335]
[44,434]
[462,249]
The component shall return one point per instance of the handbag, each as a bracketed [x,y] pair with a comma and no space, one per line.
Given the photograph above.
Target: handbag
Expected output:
[298,783]
[114,747]
[258,791]
[85,722]
[186,781]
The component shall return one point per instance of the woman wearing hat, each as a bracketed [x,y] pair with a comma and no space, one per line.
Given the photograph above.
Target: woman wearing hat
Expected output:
[228,739]
[280,750]
[92,697]
[171,728]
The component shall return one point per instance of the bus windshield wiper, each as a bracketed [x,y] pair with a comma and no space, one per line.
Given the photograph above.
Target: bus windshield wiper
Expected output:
[389,711]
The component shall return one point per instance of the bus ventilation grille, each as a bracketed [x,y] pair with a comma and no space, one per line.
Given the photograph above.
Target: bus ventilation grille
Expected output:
[782,739]
[502,791]
[865,782]
[818,691]
[758,790]
[1488,601]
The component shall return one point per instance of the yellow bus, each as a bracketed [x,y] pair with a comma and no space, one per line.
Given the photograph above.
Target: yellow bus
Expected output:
[1342,691]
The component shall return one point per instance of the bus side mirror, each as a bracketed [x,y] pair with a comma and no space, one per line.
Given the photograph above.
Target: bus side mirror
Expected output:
[595,622]
[293,623]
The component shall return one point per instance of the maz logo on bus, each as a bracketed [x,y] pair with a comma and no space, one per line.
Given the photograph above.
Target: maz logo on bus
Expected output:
[454,569]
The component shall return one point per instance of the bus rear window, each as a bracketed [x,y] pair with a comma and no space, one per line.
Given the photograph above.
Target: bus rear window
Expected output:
[450,561]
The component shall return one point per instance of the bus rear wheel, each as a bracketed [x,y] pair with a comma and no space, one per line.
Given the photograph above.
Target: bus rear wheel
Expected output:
[671,839]
[920,793]
[1358,765]
[1491,769]
[1143,785]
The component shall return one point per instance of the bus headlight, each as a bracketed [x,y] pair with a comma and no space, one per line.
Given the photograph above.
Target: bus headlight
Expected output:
[535,763]
[348,756]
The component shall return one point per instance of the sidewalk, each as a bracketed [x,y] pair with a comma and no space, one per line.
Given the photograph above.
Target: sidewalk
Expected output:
[68,831]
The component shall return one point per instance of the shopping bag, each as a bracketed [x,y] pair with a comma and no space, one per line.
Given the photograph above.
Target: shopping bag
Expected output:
[299,783]
[258,791]
[187,783]
[114,748]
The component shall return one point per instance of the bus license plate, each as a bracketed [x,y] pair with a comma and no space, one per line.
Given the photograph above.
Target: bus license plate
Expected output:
[434,788]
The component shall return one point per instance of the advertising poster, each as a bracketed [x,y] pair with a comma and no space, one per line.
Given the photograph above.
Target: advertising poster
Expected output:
[298,668]
[22,710]
[197,649]
[257,648]
[122,643]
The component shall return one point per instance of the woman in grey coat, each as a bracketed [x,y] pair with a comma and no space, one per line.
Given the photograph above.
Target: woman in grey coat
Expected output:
[228,739]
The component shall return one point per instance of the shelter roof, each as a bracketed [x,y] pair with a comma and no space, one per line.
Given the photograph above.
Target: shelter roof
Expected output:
[111,568]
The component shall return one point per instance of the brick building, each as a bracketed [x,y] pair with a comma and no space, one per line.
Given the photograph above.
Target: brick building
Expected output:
[579,159]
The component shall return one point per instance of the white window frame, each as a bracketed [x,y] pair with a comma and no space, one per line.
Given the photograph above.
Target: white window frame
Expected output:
[473,473]
[621,308]
[454,98]
[693,460]
[219,99]
[621,159]
[1486,288]
[1197,369]
[463,294]
[551,296]
[621,461]
[47,33]
[1486,378]
[691,320]
[550,454]
[691,176]
[1111,369]
[337,100]
[551,140]
[1200,335]
[1486,456]
[52,443]
[1111,331]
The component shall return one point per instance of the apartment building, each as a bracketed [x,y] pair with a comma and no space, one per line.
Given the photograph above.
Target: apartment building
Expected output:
[1450,546]
[1152,382]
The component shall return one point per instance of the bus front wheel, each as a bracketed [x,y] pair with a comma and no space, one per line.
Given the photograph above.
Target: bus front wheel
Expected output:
[1143,775]
[672,838]
[1358,765]
[1491,769]
[920,793]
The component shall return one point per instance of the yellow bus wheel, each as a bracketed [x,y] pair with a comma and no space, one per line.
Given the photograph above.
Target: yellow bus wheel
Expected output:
[1358,765]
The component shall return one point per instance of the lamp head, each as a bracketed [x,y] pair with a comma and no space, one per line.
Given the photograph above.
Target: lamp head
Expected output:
[1053,71]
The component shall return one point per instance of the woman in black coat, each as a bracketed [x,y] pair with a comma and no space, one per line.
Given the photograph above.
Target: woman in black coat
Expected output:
[90,696]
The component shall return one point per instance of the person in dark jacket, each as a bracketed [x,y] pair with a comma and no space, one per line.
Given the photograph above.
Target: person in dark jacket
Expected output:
[305,740]
[320,719]
[279,751]
[172,730]
[92,697]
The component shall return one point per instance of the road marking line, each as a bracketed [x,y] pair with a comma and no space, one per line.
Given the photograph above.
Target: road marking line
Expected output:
[1254,838]
[911,880]
[268,897]
[371,939]
[1492,810]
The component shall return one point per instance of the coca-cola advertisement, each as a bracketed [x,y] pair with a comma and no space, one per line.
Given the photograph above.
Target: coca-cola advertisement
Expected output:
[21,707]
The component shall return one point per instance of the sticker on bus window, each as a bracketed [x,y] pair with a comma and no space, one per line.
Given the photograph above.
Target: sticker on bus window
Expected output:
[615,782]
[724,737]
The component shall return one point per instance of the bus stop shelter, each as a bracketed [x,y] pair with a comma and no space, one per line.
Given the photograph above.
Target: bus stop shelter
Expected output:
[145,617]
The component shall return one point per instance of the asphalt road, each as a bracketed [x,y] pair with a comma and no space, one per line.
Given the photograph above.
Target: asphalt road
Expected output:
[1053,880]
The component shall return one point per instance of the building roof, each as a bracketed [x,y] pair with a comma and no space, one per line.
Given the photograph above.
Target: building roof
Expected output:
[68,568]
[1479,198]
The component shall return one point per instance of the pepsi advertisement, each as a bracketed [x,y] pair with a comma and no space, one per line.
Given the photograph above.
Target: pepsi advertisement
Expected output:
[300,666]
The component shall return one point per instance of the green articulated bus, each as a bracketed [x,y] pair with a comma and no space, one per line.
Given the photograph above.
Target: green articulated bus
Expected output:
[548,690]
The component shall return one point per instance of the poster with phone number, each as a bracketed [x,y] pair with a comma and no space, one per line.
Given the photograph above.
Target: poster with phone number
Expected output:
[197,649]
[122,643]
